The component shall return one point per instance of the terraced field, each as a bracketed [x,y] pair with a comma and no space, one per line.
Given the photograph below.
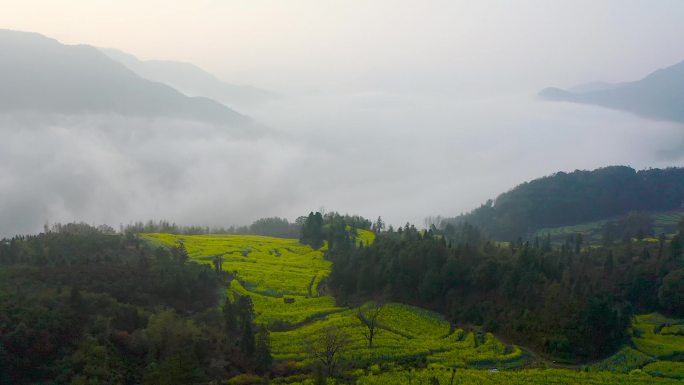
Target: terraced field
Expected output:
[274,312]
[405,332]
[268,269]
[666,369]
[283,276]
[515,377]
[657,336]
[657,349]
[264,265]
[624,361]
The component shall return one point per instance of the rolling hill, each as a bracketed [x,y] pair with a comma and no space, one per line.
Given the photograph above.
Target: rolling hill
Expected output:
[660,95]
[41,75]
[565,199]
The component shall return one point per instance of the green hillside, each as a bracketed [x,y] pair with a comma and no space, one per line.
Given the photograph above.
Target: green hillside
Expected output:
[662,222]
[273,270]
[567,199]
[264,265]
[154,309]
[286,282]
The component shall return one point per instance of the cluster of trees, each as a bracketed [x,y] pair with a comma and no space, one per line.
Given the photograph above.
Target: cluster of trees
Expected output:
[255,346]
[634,225]
[338,230]
[577,197]
[570,301]
[272,226]
[312,232]
[86,305]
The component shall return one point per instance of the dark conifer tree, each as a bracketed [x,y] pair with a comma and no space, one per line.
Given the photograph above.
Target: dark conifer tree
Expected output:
[229,316]
[247,341]
[263,358]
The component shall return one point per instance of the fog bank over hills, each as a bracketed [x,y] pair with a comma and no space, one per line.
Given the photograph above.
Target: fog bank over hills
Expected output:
[43,76]
[114,169]
[86,139]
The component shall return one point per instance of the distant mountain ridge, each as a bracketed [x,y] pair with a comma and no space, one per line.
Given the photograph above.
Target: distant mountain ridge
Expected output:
[39,74]
[592,87]
[564,199]
[191,80]
[659,95]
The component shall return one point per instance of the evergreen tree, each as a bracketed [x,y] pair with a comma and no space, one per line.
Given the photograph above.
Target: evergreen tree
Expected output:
[245,309]
[378,226]
[229,316]
[218,264]
[263,358]
[247,342]
[312,232]
[180,253]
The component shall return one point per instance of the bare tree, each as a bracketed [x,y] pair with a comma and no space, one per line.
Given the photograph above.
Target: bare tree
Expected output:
[369,315]
[328,348]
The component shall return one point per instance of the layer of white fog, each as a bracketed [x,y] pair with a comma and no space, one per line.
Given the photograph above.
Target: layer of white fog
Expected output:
[398,155]
[400,109]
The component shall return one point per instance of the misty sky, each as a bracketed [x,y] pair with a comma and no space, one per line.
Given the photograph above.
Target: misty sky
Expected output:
[323,43]
[397,108]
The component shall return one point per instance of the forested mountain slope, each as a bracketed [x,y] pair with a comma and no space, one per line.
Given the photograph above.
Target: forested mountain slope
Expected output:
[571,198]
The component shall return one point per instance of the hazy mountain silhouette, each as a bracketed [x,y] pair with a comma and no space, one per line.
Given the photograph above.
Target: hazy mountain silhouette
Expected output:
[191,80]
[39,74]
[659,95]
[592,87]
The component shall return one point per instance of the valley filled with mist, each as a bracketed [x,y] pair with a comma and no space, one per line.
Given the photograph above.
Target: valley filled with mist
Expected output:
[330,192]
[399,155]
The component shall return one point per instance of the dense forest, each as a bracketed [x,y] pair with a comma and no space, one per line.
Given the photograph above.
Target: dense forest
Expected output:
[571,302]
[577,197]
[85,305]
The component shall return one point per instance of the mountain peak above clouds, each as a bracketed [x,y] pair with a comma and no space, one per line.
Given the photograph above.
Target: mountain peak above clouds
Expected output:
[40,74]
[192,80]
[660,95]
